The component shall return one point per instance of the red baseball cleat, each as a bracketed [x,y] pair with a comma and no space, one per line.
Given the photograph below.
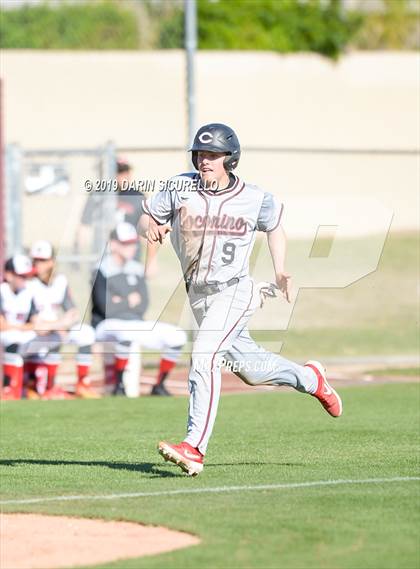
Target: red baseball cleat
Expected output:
[184,455]
[58,393]
[86,392]
[325,394]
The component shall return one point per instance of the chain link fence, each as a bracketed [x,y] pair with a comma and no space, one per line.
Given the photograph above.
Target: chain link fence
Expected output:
[46,199]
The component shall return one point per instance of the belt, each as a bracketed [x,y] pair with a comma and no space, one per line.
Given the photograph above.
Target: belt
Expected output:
[210,288]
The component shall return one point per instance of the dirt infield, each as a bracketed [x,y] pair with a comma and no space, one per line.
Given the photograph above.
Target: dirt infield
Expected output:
[44,542]
[231,384]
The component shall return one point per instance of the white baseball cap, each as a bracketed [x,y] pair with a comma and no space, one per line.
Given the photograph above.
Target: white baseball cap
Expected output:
[42,250]
[125,233]
[20,265]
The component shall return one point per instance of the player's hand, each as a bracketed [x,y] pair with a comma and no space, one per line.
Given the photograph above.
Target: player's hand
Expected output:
[133,299]
[283,281]
[157,233]
[43,327]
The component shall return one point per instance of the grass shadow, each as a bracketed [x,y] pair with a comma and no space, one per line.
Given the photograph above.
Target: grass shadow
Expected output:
[150,468]
[256,464]
[153,470]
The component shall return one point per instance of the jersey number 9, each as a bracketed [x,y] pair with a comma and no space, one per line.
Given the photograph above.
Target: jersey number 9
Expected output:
[229,252]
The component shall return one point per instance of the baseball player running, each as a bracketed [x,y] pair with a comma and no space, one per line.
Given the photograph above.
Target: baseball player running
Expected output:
[213,230]
[119,302]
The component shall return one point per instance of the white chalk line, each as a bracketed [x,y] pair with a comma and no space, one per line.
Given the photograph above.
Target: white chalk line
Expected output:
[210,490]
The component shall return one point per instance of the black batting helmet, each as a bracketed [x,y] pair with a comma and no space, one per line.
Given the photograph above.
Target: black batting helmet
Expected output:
[217,137]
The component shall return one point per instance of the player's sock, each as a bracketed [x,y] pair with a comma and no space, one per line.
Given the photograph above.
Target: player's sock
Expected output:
[82,374]
[83,362]
[119,367]
[13,380]
[164,368]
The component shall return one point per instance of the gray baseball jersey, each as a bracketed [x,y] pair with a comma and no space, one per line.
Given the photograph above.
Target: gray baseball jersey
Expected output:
[213,232]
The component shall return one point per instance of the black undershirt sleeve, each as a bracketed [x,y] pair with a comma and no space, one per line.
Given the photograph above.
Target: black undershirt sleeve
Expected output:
[32,311]
[98,298]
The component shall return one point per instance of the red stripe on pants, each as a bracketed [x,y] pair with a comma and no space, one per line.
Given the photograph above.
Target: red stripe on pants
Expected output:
[212,363]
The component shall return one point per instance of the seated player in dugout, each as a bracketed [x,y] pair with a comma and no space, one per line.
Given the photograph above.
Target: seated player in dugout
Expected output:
[18,321]
[213,230]
[57,310]
[128,208]
[119,303]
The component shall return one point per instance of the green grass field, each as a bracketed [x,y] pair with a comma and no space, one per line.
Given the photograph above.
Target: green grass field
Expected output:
[108,447]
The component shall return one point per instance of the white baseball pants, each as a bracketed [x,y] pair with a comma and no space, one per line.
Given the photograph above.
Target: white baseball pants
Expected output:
[222,319]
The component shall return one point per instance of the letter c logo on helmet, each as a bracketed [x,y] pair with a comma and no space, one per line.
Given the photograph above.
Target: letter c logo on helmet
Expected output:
[217,137]
[205,137]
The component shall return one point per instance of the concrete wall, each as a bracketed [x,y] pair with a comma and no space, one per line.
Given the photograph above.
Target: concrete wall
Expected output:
[365,101]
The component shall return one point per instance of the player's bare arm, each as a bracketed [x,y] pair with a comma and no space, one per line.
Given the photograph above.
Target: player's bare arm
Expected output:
[150,265]
[61,325]
[69,318]
[277,245]
[153,232]
[143,225]
[4,325]
[42,327]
